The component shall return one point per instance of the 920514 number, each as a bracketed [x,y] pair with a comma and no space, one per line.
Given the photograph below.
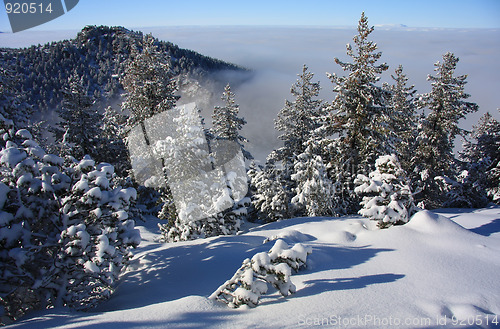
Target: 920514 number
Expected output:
[27,8]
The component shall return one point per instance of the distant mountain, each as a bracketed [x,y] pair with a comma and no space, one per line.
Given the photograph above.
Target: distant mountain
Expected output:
[97,54]
[391,26]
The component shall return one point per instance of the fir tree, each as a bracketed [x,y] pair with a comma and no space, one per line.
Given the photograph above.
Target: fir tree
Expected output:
[226,123]
[357,115]
[314,190]
[434,153]
[386,194]
[298,120]
[149,83]
[78,132]
[402,127]
[269,195]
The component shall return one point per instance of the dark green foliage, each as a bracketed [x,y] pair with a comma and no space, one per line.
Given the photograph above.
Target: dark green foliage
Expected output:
[434,153]
[96,55]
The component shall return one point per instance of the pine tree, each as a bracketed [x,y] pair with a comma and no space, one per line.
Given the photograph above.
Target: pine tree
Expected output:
[226,123]
[482,154]
[206,197]
[12,102]
[269,195]
[386,194]
[402,117]
[31,184]
[434,153]
[493,189]
[150,86]
[298,120]
[114,150]
[64,232]
[78,132]
[97,236]
[357,115]
[314,190]
[149,83]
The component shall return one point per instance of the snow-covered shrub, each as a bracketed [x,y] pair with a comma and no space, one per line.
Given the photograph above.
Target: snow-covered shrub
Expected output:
[314,190]
[493,190]
[386,194]
[31,182]
[97,237]
[269,195]
[252,279]
[227,222]
[465,192]
[64,232]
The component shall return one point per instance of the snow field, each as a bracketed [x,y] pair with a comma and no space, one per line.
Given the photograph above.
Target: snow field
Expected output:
[433,272]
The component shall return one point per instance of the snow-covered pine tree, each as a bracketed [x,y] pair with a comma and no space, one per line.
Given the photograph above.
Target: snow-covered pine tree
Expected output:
[434,154]
[464,191]
[31,183]
[252,279]
[482,155]
[97,235]
[493,190]
[149,82]
[78,133]
[200,187]
[226,123]
[12,104]
[150,86]
[227,126]
[314,191]
[269,195]
[357,116]
[386,194]
[402,117]
[115,150]
[298,119]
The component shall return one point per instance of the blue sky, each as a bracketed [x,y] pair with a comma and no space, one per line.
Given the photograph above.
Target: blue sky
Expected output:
[147,13]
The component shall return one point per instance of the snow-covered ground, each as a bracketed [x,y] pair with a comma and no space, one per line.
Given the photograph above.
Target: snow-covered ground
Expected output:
[440,270]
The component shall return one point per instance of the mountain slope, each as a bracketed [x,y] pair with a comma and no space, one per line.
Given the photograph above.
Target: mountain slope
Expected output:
[97,54]
[432,272]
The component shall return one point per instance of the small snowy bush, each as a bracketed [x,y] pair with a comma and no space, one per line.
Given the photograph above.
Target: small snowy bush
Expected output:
[65,235]
[95,244]
[252,279]
[269,195]
[227,222]
[386,194]
[314,190]
[31,182]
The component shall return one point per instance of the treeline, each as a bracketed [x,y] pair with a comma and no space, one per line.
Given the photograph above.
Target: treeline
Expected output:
[380,150]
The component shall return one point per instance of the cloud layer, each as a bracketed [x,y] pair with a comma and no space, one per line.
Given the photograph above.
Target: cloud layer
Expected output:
[277,55]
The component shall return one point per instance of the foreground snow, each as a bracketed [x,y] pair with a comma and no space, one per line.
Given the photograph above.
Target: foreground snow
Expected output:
[438,270]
